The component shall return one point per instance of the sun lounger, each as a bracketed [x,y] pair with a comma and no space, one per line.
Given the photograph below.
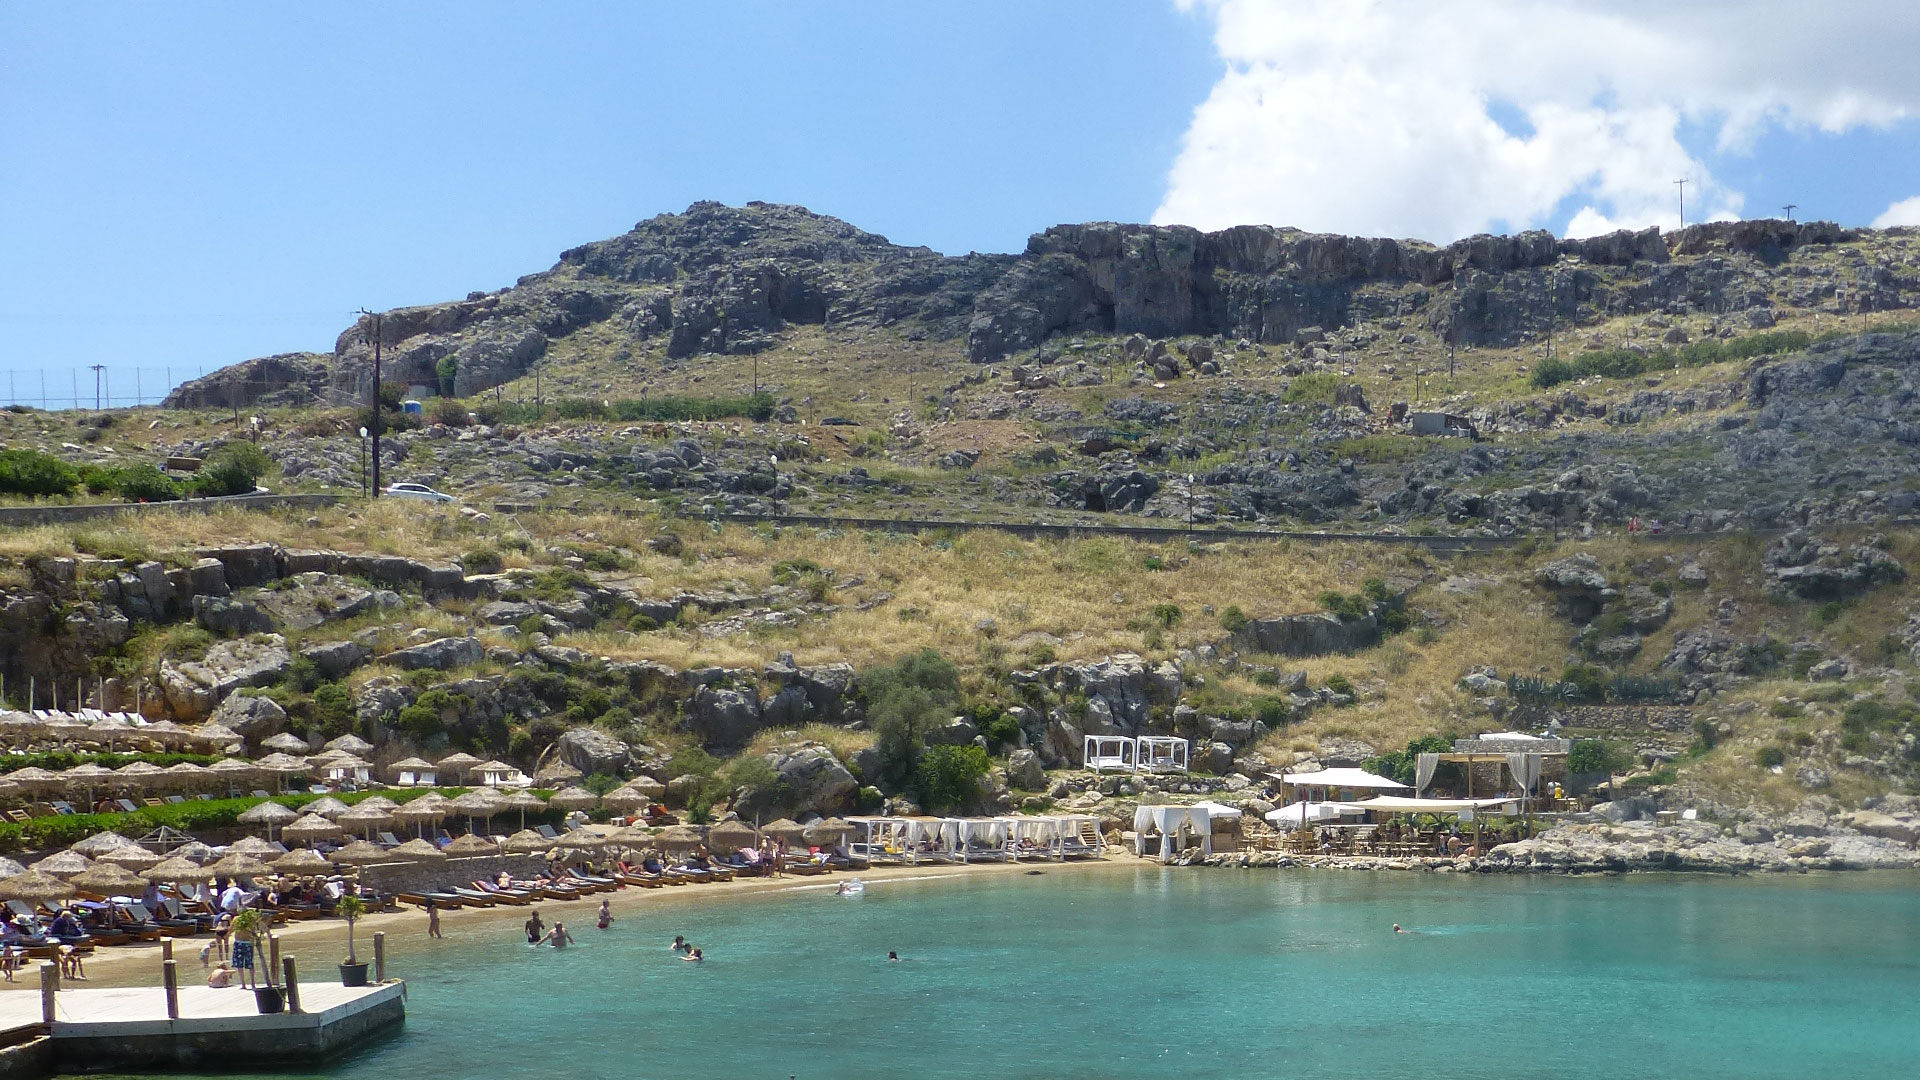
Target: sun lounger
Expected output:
[387,839]
[170,926]
[475,897]
[440,899]
[547,831]
[504,896]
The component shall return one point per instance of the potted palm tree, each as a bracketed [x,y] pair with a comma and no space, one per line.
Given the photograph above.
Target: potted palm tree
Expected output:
[250,929]
[353,971]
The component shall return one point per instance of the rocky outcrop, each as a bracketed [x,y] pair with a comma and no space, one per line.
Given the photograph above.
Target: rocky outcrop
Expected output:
[1803,565]
[251,716]
[286,379]
[1316,634]
[593,751]
[723,717]
[192,688]
[441,654]
[1690,846]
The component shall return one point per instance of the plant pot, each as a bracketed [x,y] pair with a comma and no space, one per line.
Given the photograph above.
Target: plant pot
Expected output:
[270,999]
[353,974]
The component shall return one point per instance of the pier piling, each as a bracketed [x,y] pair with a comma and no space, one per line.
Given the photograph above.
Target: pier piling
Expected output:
[49,986]
[379,956]
[170,978]
[293,984]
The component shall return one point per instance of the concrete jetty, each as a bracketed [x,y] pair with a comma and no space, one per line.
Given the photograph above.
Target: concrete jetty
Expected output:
[120,1029]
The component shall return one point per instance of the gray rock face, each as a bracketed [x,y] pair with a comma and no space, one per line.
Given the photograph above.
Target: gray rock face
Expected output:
[336,659]
[815,779]
[593,751]
[441,654]
[1024,772]
[1804,565]
[1213,757]
[227,617]
[251,717]
[380,700]
[193,688]
[286,379]
[956,732]
[307,600]
[1316,634]
[1579,583]
[723,717]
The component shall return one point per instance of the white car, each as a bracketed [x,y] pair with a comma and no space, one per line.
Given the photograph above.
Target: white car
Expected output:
[419,491]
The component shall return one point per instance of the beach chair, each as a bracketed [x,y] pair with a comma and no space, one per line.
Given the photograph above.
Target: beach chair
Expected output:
[547,831]
[19,817]
[204,797]
[387,839]
[127,806]
[64,809]
[516,897]
[258,794]
[176,799]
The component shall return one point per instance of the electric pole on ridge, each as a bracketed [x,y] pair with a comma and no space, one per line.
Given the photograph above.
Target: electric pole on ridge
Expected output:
[373,489]
[97,369]
[1683,201]
[1789,208]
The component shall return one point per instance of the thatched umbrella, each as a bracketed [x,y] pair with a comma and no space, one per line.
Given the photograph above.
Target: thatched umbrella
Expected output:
[574,798]
[8,868]
[646,785]
[412,765]
[232,772]
[479,804]
[327,807]
[310,827]
[140,774]
[377,802]
[680,838]
[135,859]
[107,879]
[167,733]
[828,832]
[303,861]
[784,829]
[471,845]
[100,843]
[523,801]
[623,799]
[177,870]
[238,865]
[417,850]
[67,729]
[35,778]
[197,851]
[283,766]
[285,743]
[527,842]
[361,853]
[559,774]
[110,730]
[186,775]
[588,837]
[218,736]
[364,819]
[430,807]
[253,845]
[34,887]
[731,835]
[64,864]
[456,765]
[269,814]
[88,778]
[352,744]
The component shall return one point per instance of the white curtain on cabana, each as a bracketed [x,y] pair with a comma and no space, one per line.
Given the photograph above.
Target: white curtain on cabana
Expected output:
[1169,821]
[1525,769]
[1423,767]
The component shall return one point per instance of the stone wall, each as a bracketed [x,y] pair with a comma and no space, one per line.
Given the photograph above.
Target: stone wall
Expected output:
[414,877]
[1621,718]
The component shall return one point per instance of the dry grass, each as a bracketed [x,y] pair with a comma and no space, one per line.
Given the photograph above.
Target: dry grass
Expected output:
[842,742]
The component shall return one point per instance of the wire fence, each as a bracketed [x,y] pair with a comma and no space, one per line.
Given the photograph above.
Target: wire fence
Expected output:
[54,389]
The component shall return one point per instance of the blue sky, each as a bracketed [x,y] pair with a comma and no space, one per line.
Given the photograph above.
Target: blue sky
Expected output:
[187,185]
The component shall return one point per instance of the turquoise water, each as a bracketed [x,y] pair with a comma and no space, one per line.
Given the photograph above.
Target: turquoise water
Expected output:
[1144,972]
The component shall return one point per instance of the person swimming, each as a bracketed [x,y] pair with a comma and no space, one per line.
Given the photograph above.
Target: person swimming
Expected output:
[694,956]
[680,944]
[535,929]
[1397,930]
[891,955]
[606,914]
[558,936]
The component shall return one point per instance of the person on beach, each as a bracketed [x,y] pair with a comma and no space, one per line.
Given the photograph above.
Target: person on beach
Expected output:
[558,937]
[606,914]
[680,944]
[535,928]
[222,930]
[694,957]
[70,966]
[433,919]
[242,963]
[220,977]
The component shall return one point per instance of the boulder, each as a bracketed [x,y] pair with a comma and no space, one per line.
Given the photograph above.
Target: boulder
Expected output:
[303,601]
[1317,634]
[1024,772]
[1213,757]
[956,732]
[228,617]
[788,707]
[1801,564]
[192,688]
[440,654]
[336,659]
[1578,581]
[593,751]
[381,699]
[814,780]
[723,717]
[251,717]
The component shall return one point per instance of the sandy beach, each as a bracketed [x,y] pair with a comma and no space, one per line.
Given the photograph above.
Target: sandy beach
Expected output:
[321,943]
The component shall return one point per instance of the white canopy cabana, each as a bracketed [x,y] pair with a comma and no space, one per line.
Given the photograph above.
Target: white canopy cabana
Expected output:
[1304,813]
[1396,804]
[1160,753]
[1330,782]
[984,839]
[1171,822]
[1102,752]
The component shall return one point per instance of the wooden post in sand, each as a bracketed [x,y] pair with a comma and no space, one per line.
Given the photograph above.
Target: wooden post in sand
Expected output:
[379,956]
[170,979]
[273,957]
[293,984]
[49,986]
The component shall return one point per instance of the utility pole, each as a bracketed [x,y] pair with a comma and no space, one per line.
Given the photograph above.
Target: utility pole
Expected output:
[97,369]
[373,490]
[1789,208]
[1683,201]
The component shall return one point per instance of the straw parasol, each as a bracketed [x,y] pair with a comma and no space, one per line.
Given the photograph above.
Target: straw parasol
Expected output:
[456,765]
[471,845]
[64,864]
[282,766]
[729,835]
[186,774]
[327,807]
[523,801]
[166,733]
[88,778]
[110,730]
[574,798]
[412,765]
[377,802]
[586,838]
[107,879]
[213,734]
[35,777]
[429,807]
[285,743]
[253,845]
[197,851]
[310,827]
[140,773]
[302,861]
[527,842]
[646,785]
[364,819]
[825,833]
[682,837]
[417,851]
[269,814]
[352,744]
[237,865]
[558,774]
[177,870]
[231,771]
[361,853]
[784,829]
[480,803]
[8,868]
[634,837]
[624,800]
[132,858]
[34,887]
[100,843]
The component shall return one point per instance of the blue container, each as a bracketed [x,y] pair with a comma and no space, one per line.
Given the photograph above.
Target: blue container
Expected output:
[411,406]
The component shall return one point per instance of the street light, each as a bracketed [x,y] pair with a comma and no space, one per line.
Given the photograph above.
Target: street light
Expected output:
[363,460]
[1189,503]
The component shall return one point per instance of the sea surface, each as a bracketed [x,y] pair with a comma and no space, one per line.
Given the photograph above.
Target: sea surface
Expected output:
[1178,973]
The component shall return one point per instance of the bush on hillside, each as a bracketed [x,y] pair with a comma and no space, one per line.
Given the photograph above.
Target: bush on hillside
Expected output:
[30,472]
[905,699]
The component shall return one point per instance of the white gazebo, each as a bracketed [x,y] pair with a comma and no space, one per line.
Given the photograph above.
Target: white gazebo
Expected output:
[1160,753]
[1331,782]
[1103,752]
[1171,823]
[500,774]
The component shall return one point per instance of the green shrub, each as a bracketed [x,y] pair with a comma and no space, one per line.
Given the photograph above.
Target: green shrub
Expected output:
[1625,363]
[1771,757]
[1594,756]
[1340,684]
[482,560]
[234,469]
[144,483]
[1166,614]
[948,777]
[1271,709]
[1318,386]
[905,700]
[1233,620]
[1155,562]
[30,472]
[1589,681]
[1401,765]
[1346,607]
[332,705]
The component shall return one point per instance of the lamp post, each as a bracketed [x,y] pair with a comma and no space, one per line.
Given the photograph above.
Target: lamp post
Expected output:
[774,461]
[363,461]
[1190,503]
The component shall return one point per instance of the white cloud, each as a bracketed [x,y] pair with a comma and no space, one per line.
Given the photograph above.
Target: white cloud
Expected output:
[1382,116]
[1904,212]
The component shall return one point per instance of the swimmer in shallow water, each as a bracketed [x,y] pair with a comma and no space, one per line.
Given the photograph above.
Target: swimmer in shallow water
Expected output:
[891,955]
[693,956]
[1397,930]
[680,944]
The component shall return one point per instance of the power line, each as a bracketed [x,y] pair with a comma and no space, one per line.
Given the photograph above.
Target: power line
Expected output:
[1683,201]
